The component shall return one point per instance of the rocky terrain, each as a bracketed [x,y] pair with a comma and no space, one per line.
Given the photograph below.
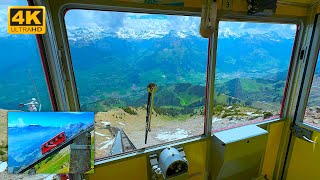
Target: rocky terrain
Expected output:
[166,128]
[312,116]
[163,128]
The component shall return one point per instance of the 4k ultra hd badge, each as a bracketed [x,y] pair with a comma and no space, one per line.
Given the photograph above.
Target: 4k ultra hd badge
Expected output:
[26,20]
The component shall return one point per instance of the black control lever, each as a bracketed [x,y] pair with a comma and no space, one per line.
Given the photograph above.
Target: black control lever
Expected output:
[152,88]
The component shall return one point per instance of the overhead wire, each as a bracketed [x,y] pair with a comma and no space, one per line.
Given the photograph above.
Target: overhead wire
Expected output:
[35,88]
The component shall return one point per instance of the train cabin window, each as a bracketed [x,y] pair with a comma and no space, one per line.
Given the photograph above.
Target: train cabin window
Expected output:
[115,55]
[46,145]
[51,142]
[312,113]
[23,87]
[251,71]
[22,79]
[56,139]
[60,136]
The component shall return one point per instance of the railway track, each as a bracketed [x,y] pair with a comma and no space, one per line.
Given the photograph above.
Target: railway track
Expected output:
[122,143]
[54,150]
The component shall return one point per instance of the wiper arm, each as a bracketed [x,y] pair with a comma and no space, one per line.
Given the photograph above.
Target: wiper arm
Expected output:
[152,88]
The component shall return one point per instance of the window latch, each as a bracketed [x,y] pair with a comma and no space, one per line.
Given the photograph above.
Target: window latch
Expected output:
[302,133]
[309,140]
[152,88]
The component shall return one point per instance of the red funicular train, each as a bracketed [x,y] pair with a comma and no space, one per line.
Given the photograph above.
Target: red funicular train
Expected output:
[52,143]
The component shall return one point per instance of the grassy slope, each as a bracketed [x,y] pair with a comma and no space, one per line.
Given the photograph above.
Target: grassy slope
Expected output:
[187,99]
[59,163]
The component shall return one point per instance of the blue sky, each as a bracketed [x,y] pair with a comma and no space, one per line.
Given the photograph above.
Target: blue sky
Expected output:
[55,119]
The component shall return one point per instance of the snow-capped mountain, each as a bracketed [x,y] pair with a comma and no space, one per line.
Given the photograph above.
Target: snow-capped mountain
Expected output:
[82,34]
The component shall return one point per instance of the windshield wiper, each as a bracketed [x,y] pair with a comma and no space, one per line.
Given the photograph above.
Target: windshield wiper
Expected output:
[152,88]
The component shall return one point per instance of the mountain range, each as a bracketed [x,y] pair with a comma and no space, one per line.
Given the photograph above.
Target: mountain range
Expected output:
[108,66]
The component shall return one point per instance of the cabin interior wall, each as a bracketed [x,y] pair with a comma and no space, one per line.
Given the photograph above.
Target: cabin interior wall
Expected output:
[282,9]
[134,168]
[137,167]
[273,143]
[305,158]
[269,157]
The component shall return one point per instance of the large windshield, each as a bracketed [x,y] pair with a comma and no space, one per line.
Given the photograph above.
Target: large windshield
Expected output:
[251,72]
[115,55]
[312,114]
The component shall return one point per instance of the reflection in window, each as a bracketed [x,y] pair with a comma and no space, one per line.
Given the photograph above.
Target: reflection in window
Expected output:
[21,78]
[251,71]
[312,114]
[116,55]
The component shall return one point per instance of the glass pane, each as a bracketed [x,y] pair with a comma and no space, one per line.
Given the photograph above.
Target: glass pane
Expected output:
[21,75]
[251,71]
[115,56]
[21,79]
[312,115]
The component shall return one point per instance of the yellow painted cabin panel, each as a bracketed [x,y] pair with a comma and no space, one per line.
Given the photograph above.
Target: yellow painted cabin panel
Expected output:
[137,167]
[305,161]
[270,157]
[196,155]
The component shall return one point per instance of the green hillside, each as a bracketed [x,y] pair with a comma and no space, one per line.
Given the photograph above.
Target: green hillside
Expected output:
[186,98]
[59,163]
[56,163]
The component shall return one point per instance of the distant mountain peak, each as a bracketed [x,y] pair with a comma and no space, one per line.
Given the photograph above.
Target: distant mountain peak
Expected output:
[34,125]
[95,33]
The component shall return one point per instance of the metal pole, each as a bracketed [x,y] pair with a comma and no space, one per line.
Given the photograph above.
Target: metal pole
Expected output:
[80,154]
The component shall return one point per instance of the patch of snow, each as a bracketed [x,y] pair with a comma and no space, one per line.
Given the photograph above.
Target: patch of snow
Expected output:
[3,166]
[100,134]
[181,35]
[106,123]
[249,113]
[107,144]
[216,119]
[229,107]
[170,136]
[121,123]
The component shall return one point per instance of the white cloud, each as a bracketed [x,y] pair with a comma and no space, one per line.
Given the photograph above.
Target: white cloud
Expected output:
[90,25]
[238,29]
[20,123]
[3,21]
[4,4]
[129,25]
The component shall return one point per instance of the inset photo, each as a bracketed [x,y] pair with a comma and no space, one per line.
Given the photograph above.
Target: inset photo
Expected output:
[50,142]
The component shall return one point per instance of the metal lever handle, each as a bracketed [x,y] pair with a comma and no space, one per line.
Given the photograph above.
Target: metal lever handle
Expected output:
[152,88]
[309,140]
